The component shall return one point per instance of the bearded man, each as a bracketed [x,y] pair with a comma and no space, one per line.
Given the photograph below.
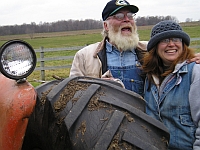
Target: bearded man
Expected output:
[117,55]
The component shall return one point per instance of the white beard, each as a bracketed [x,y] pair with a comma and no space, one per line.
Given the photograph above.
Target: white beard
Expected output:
[123,42]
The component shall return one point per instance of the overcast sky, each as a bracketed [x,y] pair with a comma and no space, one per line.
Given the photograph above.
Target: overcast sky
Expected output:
[14,12]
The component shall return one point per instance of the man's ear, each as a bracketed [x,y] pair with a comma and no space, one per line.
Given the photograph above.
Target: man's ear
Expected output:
[105,24]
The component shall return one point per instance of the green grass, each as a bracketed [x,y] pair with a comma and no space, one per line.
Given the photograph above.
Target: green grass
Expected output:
[193,31]
[76,38]
[65,41]
[144,34]
[58,39]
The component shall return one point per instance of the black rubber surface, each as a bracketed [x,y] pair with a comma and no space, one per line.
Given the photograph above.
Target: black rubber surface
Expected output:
[91,114]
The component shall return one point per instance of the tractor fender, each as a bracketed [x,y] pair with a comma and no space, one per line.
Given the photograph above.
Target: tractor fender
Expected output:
[17,102]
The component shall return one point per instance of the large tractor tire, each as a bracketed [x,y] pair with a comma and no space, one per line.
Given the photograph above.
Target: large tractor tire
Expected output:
[84,113]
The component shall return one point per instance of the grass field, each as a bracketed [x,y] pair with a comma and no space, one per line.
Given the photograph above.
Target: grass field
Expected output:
[78,38]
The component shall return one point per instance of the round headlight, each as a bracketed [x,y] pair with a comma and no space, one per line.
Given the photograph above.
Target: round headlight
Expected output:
[17,59]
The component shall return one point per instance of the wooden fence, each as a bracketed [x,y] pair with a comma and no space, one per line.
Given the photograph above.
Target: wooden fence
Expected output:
[42,59]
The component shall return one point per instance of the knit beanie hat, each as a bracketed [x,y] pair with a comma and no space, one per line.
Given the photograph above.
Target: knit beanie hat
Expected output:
[167,29]
[114,5]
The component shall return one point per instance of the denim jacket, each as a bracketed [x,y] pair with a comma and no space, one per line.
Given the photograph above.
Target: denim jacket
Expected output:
[171,105]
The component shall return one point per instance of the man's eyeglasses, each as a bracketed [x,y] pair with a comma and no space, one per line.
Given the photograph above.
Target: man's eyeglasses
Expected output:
[174,40]
[121,16]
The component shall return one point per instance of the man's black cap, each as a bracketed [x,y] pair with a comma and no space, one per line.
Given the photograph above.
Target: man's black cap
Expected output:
[114,5]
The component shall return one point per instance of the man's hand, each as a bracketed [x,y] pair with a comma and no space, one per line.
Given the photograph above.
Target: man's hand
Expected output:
[108,76]
[195,59]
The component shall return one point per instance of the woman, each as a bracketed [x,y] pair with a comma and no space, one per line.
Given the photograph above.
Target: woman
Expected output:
[172,85]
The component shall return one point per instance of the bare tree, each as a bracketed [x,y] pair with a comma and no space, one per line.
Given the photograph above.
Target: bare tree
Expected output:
[188,20]
[73,25]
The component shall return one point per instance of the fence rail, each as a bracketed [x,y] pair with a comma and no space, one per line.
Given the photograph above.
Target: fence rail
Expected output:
[42,59]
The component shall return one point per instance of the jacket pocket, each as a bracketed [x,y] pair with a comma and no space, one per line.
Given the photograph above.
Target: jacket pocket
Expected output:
[186,120]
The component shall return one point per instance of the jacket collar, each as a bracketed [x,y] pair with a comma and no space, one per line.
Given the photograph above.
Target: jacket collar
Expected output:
[181,68]
[100,47]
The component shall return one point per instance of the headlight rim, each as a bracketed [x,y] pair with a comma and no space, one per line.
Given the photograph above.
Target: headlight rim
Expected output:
[8,43]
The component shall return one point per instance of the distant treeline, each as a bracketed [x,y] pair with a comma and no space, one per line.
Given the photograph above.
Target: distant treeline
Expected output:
[72,25]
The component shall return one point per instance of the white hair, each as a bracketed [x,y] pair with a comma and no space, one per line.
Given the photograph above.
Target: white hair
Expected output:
[122,42]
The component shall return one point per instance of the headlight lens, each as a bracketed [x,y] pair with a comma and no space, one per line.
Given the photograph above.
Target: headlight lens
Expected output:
[17,59]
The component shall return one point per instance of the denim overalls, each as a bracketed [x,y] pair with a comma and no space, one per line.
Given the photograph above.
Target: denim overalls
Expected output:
[171,106]
[124,66]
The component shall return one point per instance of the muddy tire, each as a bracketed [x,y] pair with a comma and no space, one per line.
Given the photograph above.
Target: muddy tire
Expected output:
[86,113]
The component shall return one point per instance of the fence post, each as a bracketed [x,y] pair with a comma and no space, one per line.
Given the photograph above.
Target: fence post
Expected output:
[42,72]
